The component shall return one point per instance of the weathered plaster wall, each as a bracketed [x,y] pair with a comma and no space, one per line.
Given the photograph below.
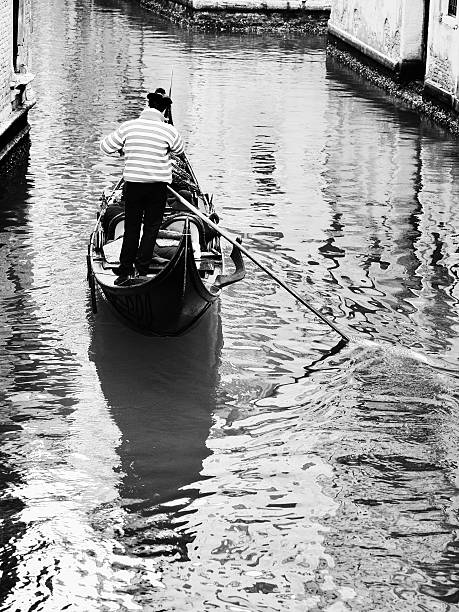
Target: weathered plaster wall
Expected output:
[389,31]
[442,70]
[11,100]
[412,29]
[6,49]
[6,53]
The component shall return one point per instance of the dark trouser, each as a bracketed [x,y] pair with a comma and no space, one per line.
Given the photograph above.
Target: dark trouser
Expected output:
[145,202]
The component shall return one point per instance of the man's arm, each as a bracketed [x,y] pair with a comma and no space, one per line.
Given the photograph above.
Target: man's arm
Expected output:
[113,143]
[177,146]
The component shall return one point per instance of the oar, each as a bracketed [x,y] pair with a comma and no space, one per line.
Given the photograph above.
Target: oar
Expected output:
[278,280]
[169,110]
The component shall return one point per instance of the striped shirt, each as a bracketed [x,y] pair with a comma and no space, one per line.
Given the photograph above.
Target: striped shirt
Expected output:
[146,142]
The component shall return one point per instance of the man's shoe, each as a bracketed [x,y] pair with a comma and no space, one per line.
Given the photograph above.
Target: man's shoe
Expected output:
[121,280]
[141,271]
[122,271]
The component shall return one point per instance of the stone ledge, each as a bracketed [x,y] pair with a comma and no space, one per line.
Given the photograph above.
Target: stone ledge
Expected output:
[433,91]
[244,17]
[254,6]
[16,161]
[13,130]
[402,69]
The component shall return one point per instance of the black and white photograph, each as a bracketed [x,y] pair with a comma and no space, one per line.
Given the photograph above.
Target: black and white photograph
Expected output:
[229,290]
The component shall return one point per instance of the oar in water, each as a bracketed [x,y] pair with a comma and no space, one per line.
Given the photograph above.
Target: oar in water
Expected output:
[278,280]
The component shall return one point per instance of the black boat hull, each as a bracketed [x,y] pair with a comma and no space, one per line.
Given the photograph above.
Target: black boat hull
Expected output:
[167,304]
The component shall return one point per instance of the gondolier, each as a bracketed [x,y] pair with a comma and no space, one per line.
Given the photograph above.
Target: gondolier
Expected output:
[146,143]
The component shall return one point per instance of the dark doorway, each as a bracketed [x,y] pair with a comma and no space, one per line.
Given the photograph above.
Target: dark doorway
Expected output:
[15,34]
[425,31]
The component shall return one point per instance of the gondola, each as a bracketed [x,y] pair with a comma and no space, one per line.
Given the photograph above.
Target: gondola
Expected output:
[187,272]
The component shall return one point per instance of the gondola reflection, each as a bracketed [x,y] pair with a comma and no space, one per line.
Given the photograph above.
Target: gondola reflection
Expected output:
[161,393]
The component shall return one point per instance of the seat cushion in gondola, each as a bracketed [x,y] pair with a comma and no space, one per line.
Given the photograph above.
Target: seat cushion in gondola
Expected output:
[113,214]
[176,223]
[112,251]
[175,204]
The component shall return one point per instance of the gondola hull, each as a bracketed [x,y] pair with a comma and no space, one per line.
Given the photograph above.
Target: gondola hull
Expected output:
[167,304]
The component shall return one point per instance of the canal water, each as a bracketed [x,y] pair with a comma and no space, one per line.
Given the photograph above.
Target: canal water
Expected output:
[246,465]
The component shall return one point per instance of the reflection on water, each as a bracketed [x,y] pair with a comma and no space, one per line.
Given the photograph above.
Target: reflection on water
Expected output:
[161,395]
[243,466]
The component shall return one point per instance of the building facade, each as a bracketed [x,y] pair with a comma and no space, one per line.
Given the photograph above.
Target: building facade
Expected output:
[442,70]
[391,32]
[16,94]
[413,39]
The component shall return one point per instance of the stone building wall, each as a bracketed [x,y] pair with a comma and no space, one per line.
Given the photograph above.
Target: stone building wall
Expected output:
[16,95]
[388,31]
[442,69]
[246,15]
[259,5]
[6,18]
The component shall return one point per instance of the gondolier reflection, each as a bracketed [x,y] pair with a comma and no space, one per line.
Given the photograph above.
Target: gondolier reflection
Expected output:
[147,143]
